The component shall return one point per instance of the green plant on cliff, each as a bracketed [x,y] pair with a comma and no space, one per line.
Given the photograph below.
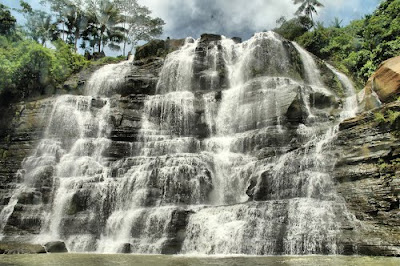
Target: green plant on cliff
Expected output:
[358,48]
[389,167]
[379,118]
[30,69]
[293,28]
[7,21]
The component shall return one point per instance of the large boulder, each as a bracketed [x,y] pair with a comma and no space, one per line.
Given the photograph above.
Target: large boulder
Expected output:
[56,247]
[384,84]
[158,48]
[20,248]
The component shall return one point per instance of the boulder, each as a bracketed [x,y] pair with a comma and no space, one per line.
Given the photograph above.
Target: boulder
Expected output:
[368,99]
[385,82]
[206,37]
[21,248]
[126,248]
[237,39]
[158,48]
[56,247]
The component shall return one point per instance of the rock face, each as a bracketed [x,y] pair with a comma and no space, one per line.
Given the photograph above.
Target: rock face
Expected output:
[222,147]
[56,247]
[368,177]
[21,248]
[158,48]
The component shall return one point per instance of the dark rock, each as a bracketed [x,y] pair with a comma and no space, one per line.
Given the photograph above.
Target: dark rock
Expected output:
[237,39]
[158,48]
[56,247]
[206,37]
[320,100]
[21,248]
[126,248]
[297,112]
[98,55]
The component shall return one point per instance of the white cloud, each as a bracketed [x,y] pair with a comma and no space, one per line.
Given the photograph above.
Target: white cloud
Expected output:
[243,17]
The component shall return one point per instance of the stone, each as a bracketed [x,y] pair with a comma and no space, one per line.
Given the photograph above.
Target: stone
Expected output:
[21,248]
[56,247]
[368,185]
[385,82]
[126,248]
[206,37]
[237,39]
[158,48]
[367,180]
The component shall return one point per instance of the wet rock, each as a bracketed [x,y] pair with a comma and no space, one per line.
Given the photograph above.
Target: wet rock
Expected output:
[297,112]
[367,178]
[320,100]
[206,37]
[158,48]
[21,248]
[126,248]
[56,247]
[237,39]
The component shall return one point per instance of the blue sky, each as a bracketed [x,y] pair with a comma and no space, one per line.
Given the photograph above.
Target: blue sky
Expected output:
[234,17]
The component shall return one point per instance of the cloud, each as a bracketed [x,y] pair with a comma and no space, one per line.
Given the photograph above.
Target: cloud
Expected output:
[242,17]
[229,17]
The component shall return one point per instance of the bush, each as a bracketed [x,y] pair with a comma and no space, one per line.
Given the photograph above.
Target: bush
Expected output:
[30,69]
[294,28]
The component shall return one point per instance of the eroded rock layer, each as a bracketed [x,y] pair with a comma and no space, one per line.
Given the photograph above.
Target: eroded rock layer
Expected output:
[222,147]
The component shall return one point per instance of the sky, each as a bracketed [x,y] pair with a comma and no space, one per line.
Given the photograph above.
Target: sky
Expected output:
[242,18]
[234,18]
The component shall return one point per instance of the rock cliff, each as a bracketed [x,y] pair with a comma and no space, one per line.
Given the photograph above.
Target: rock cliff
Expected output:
[366,153]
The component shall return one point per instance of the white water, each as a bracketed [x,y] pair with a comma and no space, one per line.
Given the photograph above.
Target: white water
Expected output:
[253,185]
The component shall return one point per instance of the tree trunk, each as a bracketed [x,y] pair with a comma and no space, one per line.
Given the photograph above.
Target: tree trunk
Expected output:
[124,48]
[101,37]
[76,39]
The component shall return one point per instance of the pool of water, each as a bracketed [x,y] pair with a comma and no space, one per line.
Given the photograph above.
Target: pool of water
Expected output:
[161,260]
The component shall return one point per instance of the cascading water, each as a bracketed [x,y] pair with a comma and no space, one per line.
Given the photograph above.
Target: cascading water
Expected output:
[231,157]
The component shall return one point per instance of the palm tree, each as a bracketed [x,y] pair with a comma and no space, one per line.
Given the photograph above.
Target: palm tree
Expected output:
[308,7]
[76,22]
[107,22]
[40,27]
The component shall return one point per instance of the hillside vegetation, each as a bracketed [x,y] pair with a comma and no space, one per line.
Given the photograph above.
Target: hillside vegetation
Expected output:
[356,49]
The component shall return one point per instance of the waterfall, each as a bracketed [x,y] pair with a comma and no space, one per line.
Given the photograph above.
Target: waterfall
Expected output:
[232,157]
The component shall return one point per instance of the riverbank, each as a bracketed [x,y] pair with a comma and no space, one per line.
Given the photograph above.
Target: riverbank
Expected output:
[162,260]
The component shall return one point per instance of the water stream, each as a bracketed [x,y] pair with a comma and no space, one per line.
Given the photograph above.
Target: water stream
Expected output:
[254,179]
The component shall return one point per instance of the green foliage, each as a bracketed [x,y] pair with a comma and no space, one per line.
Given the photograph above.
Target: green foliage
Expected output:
[7,21]
[379,118]
[108,60]
[293,28]
[391,166]
[392,116]
[389,117]
[363,45]
[100,23]
[307,7]
[29,69]
[40,25]
[68,61]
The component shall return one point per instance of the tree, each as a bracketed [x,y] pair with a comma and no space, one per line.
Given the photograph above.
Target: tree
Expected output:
[7,21]
[138,23]
[337,23]
[106,20]
[39,24]
[293,28]
[72,17]
[308,7]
